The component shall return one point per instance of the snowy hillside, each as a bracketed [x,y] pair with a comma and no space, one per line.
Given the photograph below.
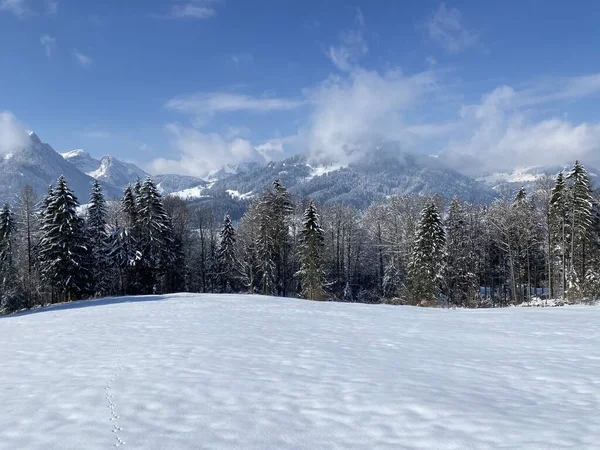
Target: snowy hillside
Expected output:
[527,177]
[359,184]
[209,371]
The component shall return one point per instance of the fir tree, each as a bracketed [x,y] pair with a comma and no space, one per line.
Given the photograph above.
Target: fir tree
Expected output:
[426,263]
[311,247]
[155,237]
[98,241]
[10,295]
[581,218]
[63,251]
[461,283]
[559,229]
[227,262]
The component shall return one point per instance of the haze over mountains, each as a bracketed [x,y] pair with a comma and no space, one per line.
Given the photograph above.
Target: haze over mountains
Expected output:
[382,172]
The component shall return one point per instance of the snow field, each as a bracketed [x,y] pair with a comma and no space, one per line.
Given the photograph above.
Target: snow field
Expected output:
[215,372]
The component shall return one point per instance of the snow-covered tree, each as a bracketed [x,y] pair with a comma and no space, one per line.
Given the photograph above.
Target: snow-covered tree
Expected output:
[581,218]
[10,295]
[155,237]
[63,250]
[98,242]
[461,284]
[427,261]
[311,247]
[227,262]
[559,230]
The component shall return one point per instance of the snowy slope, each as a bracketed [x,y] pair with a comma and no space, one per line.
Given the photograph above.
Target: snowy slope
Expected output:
[527,177]
[209,371]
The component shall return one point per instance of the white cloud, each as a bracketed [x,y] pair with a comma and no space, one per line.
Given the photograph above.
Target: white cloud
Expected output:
[13,135]
[446,28]
[16,7]
[49,44]
[193,9]
[221,102]
[200,154]
[242,59]
[352,113]
[51,7]
[431,61]
[83,60]
[352,45]
[503,131]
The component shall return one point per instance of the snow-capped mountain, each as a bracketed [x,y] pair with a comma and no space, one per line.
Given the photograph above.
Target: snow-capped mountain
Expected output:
[108,169]
[369,179]
[527,177]
[37,164]
[171,183]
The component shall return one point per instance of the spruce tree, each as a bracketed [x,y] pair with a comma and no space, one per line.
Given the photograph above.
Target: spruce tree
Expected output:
[63,251]
[460,281]
[427,259]
[311,247]
[559,230]
[10,295]
[227,263]
[98,241]
[155,237]
[581,220]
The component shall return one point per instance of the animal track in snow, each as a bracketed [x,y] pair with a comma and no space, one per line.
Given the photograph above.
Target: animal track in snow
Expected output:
[110,397]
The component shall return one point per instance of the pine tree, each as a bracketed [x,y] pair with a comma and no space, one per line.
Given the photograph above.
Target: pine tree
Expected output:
[10,296]
[281,207]
[427,259]
[265,247]
[98,242]
[559,229]
[227,262]
[581,219]
[155,237]
[461,283]
[63,251]
[311,247]
[273,242]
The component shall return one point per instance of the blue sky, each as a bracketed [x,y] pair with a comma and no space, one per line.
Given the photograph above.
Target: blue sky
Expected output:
[189,85]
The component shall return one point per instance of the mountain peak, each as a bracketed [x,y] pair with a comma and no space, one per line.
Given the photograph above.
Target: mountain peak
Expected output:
[75,153]
[34,138]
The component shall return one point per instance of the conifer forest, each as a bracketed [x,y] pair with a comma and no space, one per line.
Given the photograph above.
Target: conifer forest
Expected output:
[541,243]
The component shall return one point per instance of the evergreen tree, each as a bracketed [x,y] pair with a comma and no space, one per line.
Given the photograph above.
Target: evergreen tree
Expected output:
[227,262]
[427,260]
[10,295]
[581,219]
[559,229]
[281,207]
[155,237]
[391,279]
[98,242]
[461,283]
[311,247]
[63,251]
[265,247]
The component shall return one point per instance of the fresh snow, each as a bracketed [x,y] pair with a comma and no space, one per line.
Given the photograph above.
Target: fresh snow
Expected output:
[317,171]
[192,193]
[74,153]
[236,195]
[214,372]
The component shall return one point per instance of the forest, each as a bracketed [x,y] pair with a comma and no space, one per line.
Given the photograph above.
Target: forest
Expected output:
[405,250]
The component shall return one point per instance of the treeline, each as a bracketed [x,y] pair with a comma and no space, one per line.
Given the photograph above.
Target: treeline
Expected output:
[405,250]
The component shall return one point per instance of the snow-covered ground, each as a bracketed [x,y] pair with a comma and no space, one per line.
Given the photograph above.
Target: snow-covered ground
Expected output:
[216,372]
